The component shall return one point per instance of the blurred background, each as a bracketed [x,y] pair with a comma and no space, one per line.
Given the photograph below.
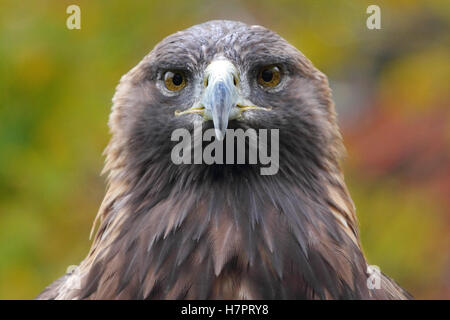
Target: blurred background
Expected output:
[391,88]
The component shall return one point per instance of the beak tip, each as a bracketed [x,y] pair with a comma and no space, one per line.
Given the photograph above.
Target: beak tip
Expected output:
[220,134]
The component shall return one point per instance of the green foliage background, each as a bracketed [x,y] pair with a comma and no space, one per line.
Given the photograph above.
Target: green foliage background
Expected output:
[56,87]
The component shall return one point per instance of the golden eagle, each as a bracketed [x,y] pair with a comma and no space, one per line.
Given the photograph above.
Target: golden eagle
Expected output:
[221,230]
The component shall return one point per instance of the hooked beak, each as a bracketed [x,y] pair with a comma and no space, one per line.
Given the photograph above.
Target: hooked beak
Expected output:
[221,100]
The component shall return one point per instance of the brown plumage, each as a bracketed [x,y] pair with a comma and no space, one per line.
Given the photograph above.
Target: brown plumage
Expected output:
[221,231]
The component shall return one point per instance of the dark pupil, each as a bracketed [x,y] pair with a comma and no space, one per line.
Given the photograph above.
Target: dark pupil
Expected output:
[177,79]
[267,75]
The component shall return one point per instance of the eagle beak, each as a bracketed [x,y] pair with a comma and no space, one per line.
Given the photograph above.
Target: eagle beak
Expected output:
[221,99]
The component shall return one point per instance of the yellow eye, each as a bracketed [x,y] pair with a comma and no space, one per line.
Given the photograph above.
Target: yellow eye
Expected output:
[269,76]
[174,80]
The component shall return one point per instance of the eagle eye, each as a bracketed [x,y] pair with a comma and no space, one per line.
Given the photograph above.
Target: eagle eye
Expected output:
[174,80]
[269,76]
